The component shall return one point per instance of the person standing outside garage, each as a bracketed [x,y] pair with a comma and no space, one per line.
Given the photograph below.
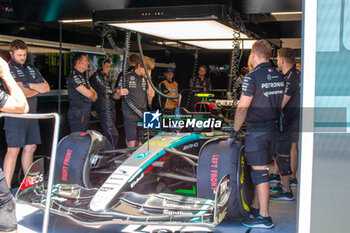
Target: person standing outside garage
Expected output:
[291,109]
[105,106]
[14,102]
[140,94]
[23,132]
[80,94]
[260,107]
[168,87]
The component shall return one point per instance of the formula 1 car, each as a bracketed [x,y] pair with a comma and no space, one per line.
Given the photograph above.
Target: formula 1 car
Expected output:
[175,178]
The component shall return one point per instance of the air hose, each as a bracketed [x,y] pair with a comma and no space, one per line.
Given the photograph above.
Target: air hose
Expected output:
[128,102]
[107,32]
[189,99]
[146,71]
[125,61]
[124,83]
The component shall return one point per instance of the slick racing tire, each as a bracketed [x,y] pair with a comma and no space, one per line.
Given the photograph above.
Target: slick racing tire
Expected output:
[73,158]
[218,158]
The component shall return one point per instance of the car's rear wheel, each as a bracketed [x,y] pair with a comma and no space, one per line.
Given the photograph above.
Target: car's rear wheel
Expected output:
[218,158]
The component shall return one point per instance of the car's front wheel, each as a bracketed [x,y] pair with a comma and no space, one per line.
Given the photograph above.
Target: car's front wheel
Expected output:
[218,158]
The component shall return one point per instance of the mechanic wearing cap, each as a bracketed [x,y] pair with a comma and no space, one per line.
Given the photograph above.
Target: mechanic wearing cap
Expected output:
[14,102]
[140,94]
[291,109]
[102,83]
[23,132]
[260,107]
[80,94]
[170,88]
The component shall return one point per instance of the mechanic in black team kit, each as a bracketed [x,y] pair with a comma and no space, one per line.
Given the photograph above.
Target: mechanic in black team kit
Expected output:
[140,94]
[105,106]
[291,110]
[133,59]
[81,95]
[14,102]
[201,82]
[23,133]
[260,107]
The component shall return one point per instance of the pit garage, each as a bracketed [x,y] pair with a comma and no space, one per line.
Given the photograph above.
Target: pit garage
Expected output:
[186,175]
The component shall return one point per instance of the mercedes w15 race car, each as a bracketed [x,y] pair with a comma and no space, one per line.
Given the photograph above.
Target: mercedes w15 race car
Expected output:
[174,178]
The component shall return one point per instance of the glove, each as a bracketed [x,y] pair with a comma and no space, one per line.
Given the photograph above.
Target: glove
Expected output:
[234,136]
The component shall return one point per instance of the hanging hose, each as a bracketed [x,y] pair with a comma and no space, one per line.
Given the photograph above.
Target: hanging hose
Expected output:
[113,44]
[124,83]
[195,64]
[128,102]
[235,57]
[146,71]
[188,104]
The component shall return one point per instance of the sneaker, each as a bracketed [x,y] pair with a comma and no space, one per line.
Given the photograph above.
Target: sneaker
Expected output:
[293,182]
[273,178]
[283,196]
[254,213]
[276,189]
[258,222]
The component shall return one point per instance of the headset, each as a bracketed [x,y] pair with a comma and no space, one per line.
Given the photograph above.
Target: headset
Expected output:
[102,61]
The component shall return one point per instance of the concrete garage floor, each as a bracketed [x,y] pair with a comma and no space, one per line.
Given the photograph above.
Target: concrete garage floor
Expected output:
[283,214]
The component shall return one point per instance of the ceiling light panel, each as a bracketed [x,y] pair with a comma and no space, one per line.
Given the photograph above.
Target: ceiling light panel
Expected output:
[182,30]
[220,44]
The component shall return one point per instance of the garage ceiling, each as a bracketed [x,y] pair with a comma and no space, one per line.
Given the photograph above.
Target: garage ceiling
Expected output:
[281,29]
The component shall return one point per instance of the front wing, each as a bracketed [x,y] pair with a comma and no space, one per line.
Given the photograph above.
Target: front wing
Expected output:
[72,201]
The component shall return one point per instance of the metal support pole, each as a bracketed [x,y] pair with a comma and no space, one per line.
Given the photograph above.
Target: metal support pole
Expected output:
[60,72]
[53,157]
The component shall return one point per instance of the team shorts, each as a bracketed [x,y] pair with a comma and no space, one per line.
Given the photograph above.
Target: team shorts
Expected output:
[293,128]
[24,132]
[284,143]
[260,147]
[132,131]
[78,120]
[289,135]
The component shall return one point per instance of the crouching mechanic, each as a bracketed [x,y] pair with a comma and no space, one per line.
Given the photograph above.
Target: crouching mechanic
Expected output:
[80,94]
[260,107]
[105,106]
[291,110]
[140,94]
[14,102]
